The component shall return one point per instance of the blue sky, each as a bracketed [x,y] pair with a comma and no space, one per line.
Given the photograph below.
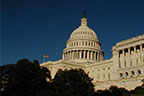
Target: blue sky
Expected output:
[32,28]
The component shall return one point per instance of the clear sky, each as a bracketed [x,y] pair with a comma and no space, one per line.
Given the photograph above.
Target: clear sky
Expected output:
[32,28]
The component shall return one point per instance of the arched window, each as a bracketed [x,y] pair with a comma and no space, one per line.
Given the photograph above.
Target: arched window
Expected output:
[125,51]
[126,73]
[138,47]
[131,49]
[132,73]
[121,75]
[120,52]
[139,72]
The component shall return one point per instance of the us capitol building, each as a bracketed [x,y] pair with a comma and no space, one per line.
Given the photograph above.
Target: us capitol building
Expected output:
[83,50]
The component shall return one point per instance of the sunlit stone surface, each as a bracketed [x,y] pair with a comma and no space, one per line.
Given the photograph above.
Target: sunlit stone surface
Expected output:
[124,69]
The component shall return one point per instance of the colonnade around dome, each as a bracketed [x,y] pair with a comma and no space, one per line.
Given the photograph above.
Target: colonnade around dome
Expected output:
[83,54]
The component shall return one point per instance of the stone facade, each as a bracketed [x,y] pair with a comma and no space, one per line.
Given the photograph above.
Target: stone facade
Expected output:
[124,69]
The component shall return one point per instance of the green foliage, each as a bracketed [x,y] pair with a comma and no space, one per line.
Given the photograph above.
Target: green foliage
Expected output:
[73,82]
[26,78]
[30,79]
[4,73]
[137,95]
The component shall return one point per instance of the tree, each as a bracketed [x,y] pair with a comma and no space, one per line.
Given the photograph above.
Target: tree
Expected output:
[26,79]
[73,82]
[115,91]
[143,83]
[4,73]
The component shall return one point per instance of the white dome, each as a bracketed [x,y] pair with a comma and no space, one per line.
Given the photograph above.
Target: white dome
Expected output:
[83,32]
[83,45]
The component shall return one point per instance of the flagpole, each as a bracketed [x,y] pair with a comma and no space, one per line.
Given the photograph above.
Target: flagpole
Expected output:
[45,56]
[43,59]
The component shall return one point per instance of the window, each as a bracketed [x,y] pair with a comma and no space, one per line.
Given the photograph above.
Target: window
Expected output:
[126,73]
[126,51]
[136,61]
[130,62]
[138,47]
[142,45]
[103,76]
[120,52]
[131,49]
[121,75]
[139,72]
[132,73]
[108,76]
[125,63]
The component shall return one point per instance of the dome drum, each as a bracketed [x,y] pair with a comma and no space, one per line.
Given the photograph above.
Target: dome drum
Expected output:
[90,55]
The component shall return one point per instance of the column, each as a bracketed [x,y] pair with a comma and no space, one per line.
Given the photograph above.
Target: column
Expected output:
[77,54]
[94,55]
[134,61]
[88,54]
[101,56]
[97,56]
[118,56]
[141,57]
[91,55]
[129,57]
[72,54]
[84,54]
[123,60]
[135,49]
[67,55]
[80,54]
